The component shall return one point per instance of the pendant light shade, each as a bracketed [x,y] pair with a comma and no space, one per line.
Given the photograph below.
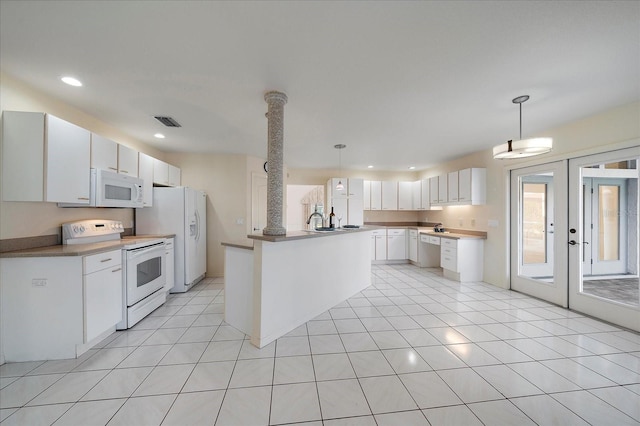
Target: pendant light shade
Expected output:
[340,147]
[524,147]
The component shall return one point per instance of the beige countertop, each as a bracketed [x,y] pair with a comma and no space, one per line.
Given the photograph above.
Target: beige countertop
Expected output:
[454,235]
[303,235]
[81,249]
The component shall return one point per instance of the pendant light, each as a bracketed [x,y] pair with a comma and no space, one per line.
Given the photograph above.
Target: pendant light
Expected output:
[523,147]
[340,147]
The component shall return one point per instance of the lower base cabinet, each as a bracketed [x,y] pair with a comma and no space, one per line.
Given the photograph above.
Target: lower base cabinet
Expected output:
[462,260]
[58,307]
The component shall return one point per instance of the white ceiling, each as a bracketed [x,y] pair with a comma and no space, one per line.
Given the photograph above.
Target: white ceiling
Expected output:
[400,83]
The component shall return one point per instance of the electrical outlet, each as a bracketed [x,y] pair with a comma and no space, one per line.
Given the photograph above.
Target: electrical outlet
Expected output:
[460,221]
[39,282]
[492,223]
[240,221]
[473,222]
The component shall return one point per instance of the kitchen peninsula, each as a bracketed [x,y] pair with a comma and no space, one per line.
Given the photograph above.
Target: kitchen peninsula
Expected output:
[284,281]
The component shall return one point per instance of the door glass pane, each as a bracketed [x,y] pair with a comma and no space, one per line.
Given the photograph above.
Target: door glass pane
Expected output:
[609,224]
[534,223]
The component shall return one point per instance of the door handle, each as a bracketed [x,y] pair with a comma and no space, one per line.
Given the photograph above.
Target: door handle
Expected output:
[574,242]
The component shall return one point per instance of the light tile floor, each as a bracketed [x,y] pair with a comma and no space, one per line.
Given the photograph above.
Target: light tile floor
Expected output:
[412,349]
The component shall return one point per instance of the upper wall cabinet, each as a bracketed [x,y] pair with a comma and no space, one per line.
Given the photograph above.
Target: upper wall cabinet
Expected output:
[127,161]
[420,189]
[28,174]
[405,196]
[104,153]
[366,196]
[389,195]
[463,187]
[376,195]
[145,172]
[166,174]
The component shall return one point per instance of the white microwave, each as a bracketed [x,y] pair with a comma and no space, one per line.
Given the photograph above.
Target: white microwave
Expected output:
[109,189]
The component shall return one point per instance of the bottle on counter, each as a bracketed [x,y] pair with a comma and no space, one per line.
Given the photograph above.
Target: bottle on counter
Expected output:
[332,219]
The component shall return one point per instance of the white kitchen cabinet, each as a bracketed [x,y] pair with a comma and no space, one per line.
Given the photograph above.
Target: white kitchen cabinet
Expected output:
[433,190]
[104,153]
[160,172]
[145,172]
[170,269]
[127,161]
[103,296]
[376,195]
[379,244]
[58,307]
[389,195]
[347,203]
[424,204]
[472,186]
[442,189]
[44,158]
[416,195]
[405,195]
[462,259]
[452,187]
[175,175]
[413,245]
[396,244]
[366,195]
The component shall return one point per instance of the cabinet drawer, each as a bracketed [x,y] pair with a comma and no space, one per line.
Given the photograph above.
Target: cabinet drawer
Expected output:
[424,238]
[400,232]
[448,251]
[449,262]
[433,240]
[376,232]
[413,233]
[100,261]
[448,242]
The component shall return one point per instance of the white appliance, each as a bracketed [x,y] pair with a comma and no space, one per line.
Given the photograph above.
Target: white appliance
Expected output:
[109,189]
[143,265]
[180,211]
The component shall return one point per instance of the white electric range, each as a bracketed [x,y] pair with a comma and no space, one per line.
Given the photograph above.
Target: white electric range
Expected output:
[143,265]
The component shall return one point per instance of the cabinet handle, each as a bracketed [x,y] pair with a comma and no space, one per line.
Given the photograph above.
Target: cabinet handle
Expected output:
[124,171]
[105,260]
[113,168]
[83,198]
[116,270]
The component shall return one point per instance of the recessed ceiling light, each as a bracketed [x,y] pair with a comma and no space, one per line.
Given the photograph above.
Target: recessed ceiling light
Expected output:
[369,167]
[412,167]
[159,135]
[71,81]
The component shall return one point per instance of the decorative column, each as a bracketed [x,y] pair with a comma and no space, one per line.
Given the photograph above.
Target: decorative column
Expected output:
[275,118]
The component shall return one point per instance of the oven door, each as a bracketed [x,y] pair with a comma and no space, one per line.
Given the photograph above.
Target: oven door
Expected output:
[145,271]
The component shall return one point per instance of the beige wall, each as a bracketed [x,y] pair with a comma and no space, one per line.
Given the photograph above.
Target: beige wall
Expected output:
[35,219]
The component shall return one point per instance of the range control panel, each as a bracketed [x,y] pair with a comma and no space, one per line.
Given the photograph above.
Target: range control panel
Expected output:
[94,230]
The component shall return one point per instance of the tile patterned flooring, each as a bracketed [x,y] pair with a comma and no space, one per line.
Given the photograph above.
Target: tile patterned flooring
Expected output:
[412,349]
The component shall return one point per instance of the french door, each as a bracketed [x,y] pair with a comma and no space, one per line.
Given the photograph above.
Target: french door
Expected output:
[575,234]
[603,236]
[538,217]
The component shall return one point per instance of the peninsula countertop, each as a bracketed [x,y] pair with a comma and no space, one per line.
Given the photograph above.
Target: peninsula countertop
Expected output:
[302,235]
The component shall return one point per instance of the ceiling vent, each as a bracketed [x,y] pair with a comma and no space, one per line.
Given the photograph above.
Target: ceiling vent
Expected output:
[167,121]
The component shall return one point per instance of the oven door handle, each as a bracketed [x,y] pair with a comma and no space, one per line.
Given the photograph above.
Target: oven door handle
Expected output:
[135,253]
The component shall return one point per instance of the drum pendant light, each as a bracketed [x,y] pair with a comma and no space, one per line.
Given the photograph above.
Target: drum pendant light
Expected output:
[523,147]
[340,147]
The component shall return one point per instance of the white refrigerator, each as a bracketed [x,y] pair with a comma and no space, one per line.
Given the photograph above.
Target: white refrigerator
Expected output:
[180,211]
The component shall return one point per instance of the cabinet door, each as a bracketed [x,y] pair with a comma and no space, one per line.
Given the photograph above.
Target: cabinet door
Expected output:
[405,191]
[68,162]
[433,190]
[175,175]
[389,195]
[356,188]
[366,196]
[416,195]
[160,172]
[413,245]
[127,161]
[425,204]
[381,247]
[376,195]
[396,247]
[464,185]
[104,153]
[145,172]
[452,187]
[373,247]
[355,212]
[170,267]
[442,189]
[103,301]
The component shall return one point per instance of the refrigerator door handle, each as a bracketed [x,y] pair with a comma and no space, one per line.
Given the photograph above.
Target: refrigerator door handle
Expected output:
[197,226]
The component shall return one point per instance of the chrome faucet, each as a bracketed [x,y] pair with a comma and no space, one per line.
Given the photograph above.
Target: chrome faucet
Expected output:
[315,213]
